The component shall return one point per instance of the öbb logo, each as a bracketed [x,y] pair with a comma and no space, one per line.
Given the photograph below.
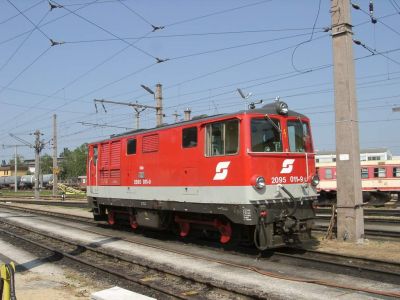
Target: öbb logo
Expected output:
[287,166]
[221,170]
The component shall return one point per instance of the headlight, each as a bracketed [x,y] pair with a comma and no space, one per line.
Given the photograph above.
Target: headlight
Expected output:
[315,180]
[260,182]
[282,108]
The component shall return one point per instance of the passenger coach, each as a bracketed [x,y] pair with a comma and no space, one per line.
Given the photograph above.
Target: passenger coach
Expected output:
[243,176]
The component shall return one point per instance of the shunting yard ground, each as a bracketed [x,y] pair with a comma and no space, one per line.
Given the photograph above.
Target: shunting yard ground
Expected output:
[388,251]
[37,278]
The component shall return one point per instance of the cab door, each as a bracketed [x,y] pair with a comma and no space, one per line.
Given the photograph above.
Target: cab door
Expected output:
[93,169]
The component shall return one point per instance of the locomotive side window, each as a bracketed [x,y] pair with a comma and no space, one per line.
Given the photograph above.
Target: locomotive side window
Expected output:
[189,137]
[131,146]
[299,136]
[396,172]
[265,137]
[95,155]
[222,138]
[364,173]
[379,172]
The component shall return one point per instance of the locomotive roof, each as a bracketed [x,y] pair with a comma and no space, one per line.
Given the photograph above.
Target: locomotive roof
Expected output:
[269,109]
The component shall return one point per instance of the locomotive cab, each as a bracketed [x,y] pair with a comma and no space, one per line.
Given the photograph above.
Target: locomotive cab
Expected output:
[283,175]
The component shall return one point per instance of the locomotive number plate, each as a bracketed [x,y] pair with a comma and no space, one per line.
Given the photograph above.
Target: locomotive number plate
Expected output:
[141,181]
[291,179]
[278,179]
[297,179]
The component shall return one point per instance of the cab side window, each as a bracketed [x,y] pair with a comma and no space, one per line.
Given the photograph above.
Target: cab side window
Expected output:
[222,138]
[189,137]
[131,147]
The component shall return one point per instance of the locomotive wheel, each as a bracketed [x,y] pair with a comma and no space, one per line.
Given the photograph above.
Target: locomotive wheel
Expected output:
[184,229]
[132,222]
[236,237]
[225,231]
[111,218]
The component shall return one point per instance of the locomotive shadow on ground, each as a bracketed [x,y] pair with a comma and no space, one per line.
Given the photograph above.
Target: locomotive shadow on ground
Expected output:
[196,239]
[83,248]
[38,262]
[101,242]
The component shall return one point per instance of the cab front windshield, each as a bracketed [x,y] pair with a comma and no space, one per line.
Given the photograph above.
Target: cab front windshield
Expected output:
[266,135]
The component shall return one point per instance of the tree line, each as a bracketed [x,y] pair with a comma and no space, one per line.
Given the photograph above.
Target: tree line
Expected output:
[72,165]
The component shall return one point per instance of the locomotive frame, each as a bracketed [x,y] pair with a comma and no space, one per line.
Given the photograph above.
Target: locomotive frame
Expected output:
[233,174]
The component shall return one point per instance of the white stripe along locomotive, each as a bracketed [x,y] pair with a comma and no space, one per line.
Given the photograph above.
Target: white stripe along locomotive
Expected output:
[248,175]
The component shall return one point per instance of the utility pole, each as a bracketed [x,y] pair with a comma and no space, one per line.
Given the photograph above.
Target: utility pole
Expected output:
[55,166]
[38,146]
[15,169]
[176,115]
[138,111]
[349,195]
[159,105]
[15,163]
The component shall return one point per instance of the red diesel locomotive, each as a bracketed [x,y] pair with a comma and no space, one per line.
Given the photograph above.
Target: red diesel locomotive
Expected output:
[243,176]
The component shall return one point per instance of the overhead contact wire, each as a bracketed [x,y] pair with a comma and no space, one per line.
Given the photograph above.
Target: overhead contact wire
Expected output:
[30,21]
[109,32]
[22,43]
[216,13]
[24,70]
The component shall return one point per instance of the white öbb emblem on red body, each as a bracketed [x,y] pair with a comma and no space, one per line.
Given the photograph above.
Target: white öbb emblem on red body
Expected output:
[287,166]
[221,170]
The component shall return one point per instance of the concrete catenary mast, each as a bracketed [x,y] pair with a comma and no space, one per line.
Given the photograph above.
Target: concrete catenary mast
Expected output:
[349,194]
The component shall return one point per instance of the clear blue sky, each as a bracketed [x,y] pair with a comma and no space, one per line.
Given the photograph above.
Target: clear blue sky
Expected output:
[213,48]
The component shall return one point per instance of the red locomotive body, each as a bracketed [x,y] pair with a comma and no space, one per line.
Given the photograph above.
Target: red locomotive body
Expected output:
[251,173]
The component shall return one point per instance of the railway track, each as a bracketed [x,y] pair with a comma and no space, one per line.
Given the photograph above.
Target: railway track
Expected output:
[365,268]
[375,234]
[81,203]
[166,284]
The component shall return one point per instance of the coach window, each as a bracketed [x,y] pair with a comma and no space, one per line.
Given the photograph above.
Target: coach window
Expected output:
[379,172]
[328,174]
[265,135]
[131,146]
[189,137]
[396,172]
[364,173]
[222,138]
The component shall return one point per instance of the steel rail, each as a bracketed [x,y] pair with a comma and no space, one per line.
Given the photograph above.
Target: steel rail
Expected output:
[388,212]
[78,204]
[345,261]
[257,270]
[378,234]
